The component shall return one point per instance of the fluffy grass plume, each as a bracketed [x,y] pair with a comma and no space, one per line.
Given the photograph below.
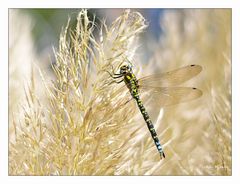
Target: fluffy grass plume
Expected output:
[83,127]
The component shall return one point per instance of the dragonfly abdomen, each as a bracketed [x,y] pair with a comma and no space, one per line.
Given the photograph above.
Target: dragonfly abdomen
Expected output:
[147,119]
[167,95]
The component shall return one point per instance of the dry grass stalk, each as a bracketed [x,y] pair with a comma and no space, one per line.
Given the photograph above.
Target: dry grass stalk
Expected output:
[84,128]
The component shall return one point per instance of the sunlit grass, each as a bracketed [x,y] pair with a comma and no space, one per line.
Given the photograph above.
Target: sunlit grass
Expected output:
[79,124]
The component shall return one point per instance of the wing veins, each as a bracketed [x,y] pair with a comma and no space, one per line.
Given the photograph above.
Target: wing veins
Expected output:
[171,78]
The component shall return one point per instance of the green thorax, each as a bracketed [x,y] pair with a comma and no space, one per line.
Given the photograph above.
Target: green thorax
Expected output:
[132,83]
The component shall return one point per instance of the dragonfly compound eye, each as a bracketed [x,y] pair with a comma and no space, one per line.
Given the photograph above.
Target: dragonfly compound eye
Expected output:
[124,69]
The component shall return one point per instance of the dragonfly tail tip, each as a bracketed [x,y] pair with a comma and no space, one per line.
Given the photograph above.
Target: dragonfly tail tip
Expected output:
[162,155]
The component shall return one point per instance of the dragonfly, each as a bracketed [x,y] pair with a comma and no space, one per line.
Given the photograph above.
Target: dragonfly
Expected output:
[162,88]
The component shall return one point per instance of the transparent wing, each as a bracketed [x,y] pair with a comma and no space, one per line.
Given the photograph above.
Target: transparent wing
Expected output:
[151,90]
[171,78]
[164,96]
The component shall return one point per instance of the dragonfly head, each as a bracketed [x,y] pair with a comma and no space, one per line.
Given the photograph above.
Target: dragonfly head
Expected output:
[125,69]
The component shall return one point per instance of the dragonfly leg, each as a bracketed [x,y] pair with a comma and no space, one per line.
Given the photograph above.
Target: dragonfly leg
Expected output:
[114,75]
[128,101]
[118,82]
[113,72]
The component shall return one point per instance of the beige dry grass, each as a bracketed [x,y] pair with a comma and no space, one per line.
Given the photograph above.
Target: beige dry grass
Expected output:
[18,72]
[83,127]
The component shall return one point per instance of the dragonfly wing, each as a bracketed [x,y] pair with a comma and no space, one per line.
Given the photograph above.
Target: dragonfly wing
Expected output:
[165,96]
[171,78]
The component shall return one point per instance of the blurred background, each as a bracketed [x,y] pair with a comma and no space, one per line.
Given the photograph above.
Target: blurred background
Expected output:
[46,25]
[196,135]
